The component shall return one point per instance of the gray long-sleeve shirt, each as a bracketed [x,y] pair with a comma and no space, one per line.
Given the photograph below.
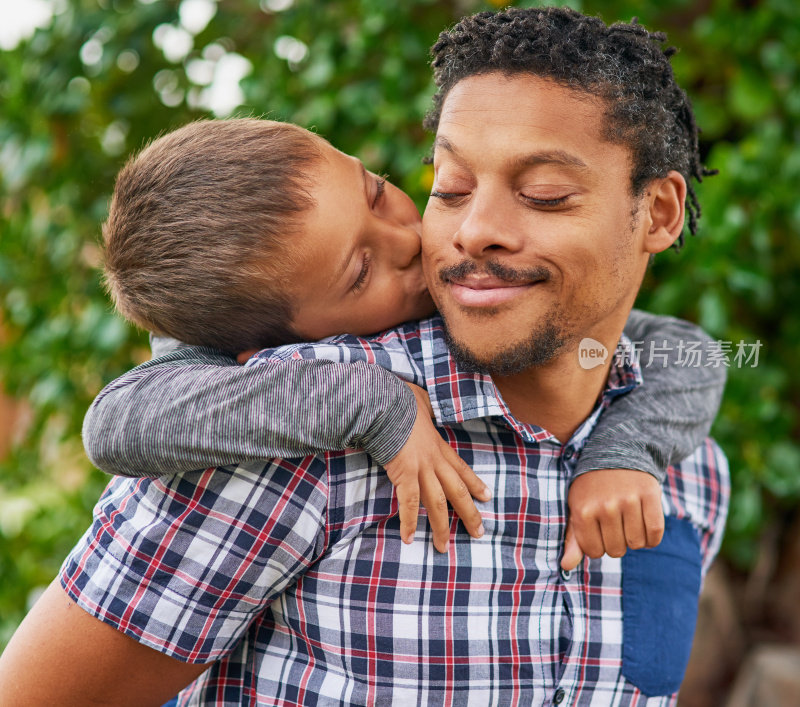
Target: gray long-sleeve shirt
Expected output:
[193,407]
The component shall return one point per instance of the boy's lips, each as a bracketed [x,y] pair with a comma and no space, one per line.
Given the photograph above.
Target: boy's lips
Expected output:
[487,290]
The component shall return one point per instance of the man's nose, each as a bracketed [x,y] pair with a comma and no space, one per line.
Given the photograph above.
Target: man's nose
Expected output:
[487,228]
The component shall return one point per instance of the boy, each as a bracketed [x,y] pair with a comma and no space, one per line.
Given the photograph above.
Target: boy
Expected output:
[203,243]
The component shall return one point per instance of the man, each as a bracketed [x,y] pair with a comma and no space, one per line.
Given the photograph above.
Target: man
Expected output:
[562,156]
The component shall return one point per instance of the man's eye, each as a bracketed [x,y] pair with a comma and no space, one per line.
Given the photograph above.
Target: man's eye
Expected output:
[545,202]
[447,195]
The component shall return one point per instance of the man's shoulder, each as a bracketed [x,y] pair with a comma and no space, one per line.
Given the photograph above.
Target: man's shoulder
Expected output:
[708,455]
[699,486]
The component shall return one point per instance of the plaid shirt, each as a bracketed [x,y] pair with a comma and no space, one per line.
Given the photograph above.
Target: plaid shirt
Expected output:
[292,574]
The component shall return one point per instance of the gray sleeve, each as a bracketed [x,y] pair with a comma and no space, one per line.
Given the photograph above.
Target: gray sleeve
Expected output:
[194,407]
[664,420]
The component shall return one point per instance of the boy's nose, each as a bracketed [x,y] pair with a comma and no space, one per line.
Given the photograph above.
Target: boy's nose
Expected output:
[404,244]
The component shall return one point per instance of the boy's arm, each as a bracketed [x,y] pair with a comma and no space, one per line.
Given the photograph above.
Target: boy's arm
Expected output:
[657,424]
[194,407]
[664,420]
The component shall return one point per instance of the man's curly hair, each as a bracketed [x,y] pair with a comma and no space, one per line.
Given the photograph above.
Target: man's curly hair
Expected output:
[624,64]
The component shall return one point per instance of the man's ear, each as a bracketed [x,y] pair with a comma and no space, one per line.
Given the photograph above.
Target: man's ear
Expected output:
[666,200]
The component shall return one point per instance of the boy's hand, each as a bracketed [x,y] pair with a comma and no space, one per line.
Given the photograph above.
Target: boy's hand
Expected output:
[428,469]
[611,510]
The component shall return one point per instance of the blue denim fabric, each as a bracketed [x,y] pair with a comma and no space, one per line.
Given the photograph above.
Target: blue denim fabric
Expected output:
[660,594]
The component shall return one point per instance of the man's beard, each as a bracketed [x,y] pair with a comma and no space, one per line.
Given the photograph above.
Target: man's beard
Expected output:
[538,349]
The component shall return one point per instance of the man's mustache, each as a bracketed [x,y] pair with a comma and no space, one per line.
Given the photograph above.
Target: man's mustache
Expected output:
[494,268]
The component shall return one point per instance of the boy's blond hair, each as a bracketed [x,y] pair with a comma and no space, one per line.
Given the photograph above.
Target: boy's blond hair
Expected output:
[196,237]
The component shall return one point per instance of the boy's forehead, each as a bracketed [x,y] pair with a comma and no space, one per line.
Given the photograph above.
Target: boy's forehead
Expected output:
[331,154]
[323,144]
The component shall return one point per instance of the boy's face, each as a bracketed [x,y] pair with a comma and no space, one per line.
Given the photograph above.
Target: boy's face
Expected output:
[358,258]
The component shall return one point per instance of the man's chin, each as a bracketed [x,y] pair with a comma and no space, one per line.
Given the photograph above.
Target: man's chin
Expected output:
[538,349]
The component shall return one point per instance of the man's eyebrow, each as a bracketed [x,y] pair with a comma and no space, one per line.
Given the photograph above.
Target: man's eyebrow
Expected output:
[557,157]
[532,159]
[442,142]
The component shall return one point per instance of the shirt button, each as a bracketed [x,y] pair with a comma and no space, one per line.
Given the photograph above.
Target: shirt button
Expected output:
[566,575]
[558,698]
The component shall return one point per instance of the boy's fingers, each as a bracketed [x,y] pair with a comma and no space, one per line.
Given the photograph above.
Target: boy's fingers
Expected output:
[633,525]
[572,551]
[460,499]
[653,516]
[408,502]
[435,503]
[587,535]
[471,480]
[613,535]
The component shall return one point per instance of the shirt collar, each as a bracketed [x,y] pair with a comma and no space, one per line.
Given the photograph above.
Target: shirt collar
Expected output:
[458,396]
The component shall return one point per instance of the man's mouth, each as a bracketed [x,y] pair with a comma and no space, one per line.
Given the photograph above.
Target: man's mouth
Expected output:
[490,284]
[488,290]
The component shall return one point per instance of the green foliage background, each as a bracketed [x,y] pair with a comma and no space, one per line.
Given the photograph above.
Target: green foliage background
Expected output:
[70,117]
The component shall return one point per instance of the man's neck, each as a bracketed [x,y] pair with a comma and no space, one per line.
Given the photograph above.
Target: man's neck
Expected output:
[558,396]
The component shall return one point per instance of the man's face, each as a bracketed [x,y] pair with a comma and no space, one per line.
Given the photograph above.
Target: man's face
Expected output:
[531,239]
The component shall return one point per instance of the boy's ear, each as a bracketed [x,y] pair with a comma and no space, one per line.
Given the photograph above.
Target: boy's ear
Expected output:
[666,203]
